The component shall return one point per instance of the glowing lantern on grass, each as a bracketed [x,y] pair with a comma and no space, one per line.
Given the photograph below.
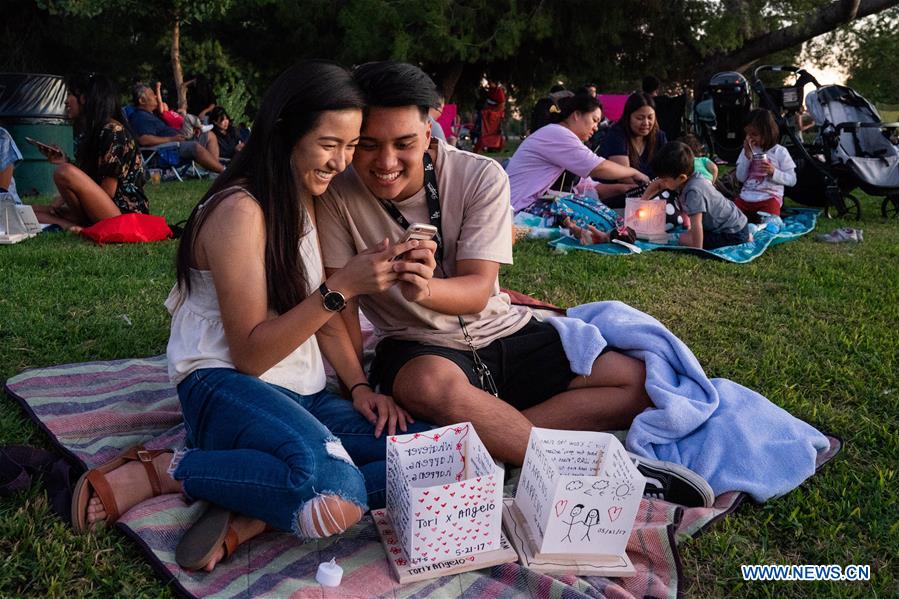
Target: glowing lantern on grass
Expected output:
[646,218]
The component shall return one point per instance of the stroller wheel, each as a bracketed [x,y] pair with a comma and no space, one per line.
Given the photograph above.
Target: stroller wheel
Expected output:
[849,207]
[890,206]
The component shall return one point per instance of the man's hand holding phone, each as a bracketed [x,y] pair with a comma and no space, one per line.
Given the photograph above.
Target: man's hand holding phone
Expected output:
[415,268]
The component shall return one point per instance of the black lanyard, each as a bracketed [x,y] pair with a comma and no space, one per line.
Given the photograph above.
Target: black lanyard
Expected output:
[433,197]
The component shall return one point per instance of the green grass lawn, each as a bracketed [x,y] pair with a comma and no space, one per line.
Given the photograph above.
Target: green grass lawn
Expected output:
[811,326]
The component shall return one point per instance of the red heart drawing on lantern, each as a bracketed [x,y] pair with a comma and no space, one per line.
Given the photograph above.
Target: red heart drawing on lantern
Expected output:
[614,512]
[560,507]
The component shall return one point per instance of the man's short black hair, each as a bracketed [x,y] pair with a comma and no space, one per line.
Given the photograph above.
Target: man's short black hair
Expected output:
[389,84]
[673,160]
[651,84]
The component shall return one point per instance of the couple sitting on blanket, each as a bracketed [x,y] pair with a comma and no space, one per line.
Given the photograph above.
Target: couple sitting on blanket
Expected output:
[256,306]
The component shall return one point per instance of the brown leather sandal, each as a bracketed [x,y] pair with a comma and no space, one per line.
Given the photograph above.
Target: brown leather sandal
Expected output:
[202,540]
[96,479]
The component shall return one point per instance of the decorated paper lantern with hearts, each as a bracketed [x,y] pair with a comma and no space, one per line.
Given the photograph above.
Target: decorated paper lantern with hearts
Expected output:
[578,494]
[444,494]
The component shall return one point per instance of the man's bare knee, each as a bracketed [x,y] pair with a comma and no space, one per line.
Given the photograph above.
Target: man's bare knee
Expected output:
[431,387]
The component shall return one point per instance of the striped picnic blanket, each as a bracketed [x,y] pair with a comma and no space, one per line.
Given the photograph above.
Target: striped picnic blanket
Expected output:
[94,410]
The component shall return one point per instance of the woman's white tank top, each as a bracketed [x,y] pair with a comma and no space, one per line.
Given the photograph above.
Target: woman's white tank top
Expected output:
[197,339]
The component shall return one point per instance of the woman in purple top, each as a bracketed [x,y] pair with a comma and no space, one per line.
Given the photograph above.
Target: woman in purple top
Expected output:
[632,141]
[558,147]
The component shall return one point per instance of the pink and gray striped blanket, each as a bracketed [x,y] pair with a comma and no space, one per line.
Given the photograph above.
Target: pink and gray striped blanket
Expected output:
[94,410]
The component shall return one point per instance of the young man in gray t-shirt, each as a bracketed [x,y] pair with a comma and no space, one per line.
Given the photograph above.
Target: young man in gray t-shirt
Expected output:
[715,221]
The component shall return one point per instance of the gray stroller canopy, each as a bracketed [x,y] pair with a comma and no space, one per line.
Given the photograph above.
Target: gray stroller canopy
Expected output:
[866,150]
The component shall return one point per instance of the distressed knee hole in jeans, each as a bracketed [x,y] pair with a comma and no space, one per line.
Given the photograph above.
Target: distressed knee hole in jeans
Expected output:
[326,515]
[336,450]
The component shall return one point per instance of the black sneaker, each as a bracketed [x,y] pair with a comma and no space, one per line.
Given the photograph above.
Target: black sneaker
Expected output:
[674,483]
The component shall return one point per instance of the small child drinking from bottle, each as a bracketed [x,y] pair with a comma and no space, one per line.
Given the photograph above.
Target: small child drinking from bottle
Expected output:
[764,167]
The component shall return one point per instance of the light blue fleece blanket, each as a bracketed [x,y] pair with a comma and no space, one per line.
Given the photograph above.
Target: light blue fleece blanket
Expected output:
[797,222]
[732,436]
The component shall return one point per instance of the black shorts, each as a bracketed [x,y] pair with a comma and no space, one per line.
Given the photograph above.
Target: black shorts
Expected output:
[528,366]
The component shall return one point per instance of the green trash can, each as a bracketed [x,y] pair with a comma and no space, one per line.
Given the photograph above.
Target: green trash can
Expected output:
[33,105]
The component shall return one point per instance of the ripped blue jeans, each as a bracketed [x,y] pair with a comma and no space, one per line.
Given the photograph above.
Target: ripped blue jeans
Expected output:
[264,451]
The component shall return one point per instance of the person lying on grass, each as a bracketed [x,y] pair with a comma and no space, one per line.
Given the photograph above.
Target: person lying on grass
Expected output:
[251,317]
[107,176]
[460,351]
[714,221]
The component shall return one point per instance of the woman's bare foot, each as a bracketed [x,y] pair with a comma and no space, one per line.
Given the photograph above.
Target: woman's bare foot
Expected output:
[245,528]
[130,486]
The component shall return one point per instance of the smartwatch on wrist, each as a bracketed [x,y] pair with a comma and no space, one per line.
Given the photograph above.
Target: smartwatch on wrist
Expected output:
[334,301]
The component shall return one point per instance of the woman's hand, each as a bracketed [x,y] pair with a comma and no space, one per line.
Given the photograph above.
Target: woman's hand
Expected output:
[639,177]
[381,411]
[57,206]
[415,269]
[371,271]
[53,154]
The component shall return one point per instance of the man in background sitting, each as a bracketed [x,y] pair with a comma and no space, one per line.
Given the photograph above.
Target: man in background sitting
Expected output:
[150,130]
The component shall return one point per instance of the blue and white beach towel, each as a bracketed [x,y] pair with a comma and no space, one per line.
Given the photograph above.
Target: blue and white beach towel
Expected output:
[796,222]
[732,436]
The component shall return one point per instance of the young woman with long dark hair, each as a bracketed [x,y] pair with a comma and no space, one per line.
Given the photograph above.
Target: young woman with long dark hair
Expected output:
[106,178]
[632,141]
[252,315]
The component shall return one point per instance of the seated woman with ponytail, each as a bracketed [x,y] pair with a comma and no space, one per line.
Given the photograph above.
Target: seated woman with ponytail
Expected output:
[558,147]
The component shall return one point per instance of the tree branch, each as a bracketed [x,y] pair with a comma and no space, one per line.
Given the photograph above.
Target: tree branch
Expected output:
[827,18]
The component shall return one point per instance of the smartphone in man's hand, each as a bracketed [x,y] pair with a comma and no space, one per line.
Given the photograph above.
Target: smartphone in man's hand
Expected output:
[419,231]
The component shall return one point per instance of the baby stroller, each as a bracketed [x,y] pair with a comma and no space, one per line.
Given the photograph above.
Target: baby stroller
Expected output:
[719,113]
[852,150]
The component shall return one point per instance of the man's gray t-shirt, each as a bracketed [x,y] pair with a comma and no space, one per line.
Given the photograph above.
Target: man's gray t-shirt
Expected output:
[720,214]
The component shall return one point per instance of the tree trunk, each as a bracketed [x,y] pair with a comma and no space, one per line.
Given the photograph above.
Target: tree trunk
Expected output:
[449,79]
[177,73]
[824,19]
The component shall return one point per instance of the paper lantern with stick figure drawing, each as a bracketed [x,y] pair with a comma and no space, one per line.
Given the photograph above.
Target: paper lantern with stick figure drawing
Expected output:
[646,218]
[578,494]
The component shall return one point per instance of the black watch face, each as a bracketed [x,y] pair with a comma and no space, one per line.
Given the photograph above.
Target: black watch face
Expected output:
[334,301]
